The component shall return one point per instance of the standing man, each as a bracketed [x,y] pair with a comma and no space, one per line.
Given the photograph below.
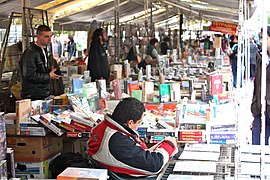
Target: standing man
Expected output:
[71,47]
[35,69]
[253,53]
[57,47]
[152,48]
[97,60]
[164,45]
[234,58]
[256,100]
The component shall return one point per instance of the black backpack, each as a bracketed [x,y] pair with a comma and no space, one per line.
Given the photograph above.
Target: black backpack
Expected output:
[61,162]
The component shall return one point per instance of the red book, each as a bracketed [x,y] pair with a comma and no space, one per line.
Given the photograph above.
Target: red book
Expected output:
[150,106]
[82,126]
[67,127]
[134,85]
[169,106]
[191,139]
[190,133]
[72,126]
[46,117]
[216,84]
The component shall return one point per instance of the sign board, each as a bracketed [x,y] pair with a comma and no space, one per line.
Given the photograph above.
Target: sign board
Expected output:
[223,27]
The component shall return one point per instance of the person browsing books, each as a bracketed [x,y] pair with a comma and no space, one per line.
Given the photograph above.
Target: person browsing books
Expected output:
[35,68]
[98,61]
[116,145]
[256,106]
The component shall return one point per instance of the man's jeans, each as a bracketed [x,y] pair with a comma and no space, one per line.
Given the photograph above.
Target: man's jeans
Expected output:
[256,130]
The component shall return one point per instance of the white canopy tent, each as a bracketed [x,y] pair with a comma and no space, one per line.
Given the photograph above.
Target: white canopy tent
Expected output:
[71,12]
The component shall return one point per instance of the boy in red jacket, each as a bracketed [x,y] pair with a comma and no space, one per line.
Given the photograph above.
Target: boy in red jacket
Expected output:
[115,143]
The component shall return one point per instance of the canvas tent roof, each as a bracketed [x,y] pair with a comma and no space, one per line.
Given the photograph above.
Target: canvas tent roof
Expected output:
[80,13]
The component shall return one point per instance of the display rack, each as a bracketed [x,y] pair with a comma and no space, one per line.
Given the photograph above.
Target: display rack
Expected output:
[4,44]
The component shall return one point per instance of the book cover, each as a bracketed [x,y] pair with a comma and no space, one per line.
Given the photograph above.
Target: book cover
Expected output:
[223,128]
[191,136]
[133,85]
[90,90]
[33,131]
[191,139]
[148,91]
[66,127]
[36,107]
[222,141]
[175,92]
[202,147]
[23,110]
[117,89]
[72,173]
[72,70]
[64,72]
[186,87]
[199,155]
[83,127]
[164,92]
[77,128]
[102,91]
[137,94]
[216,84]
[81,118]
[222,136]
[45,119]
[195,166]
[77,86]
[46,106]
[190,177]
[82,106]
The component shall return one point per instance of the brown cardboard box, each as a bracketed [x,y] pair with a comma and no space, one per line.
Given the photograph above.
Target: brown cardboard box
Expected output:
[34,149]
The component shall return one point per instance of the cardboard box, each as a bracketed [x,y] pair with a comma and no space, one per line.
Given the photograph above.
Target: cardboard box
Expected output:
[34,170]
[34,149]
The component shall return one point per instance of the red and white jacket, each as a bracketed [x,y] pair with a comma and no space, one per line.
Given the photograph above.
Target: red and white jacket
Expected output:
[119,149]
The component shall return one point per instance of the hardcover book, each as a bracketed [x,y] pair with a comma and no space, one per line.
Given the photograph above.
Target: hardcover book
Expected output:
[90,90]
[164,92]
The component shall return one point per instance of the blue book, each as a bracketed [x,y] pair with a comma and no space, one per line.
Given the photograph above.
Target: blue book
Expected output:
[222,136]
[77,86]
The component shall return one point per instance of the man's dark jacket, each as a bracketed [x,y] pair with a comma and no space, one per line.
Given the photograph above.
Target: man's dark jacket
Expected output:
[98,62]
[34,73]
[256,100]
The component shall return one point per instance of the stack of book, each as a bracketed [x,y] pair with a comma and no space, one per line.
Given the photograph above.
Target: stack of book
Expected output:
[197,162]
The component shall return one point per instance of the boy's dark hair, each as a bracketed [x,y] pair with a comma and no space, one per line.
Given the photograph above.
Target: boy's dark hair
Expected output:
[84,50]
[42,28]
[128,109]
[153,41]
